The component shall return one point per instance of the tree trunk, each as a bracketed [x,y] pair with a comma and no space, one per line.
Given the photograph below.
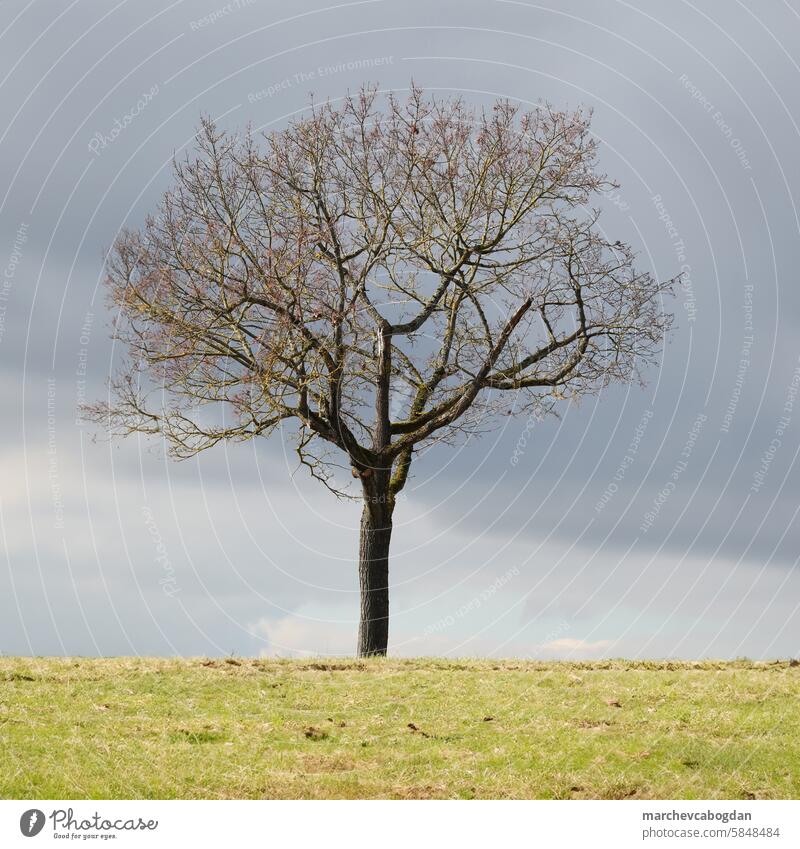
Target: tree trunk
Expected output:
[373,575]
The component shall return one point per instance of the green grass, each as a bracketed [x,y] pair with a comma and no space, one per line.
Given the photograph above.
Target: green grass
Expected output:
[158,728]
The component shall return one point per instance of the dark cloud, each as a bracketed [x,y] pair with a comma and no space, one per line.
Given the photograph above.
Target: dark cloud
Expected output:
[698,115]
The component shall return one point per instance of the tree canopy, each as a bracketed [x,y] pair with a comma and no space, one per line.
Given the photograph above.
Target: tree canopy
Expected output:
[385,272]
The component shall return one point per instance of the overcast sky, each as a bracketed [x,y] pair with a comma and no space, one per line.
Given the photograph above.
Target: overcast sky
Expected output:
[687,548]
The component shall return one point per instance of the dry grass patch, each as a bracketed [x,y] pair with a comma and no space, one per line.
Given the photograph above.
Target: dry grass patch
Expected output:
[427,728]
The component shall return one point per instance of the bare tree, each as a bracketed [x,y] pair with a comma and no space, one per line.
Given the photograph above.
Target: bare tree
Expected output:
[382,274]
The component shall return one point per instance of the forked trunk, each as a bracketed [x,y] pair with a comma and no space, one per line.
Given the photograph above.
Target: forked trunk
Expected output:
[373,575]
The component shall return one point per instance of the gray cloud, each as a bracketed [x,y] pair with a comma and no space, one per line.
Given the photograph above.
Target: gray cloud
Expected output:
[491,556]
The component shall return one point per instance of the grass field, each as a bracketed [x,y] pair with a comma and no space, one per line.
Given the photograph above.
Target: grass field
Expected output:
[236,728]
